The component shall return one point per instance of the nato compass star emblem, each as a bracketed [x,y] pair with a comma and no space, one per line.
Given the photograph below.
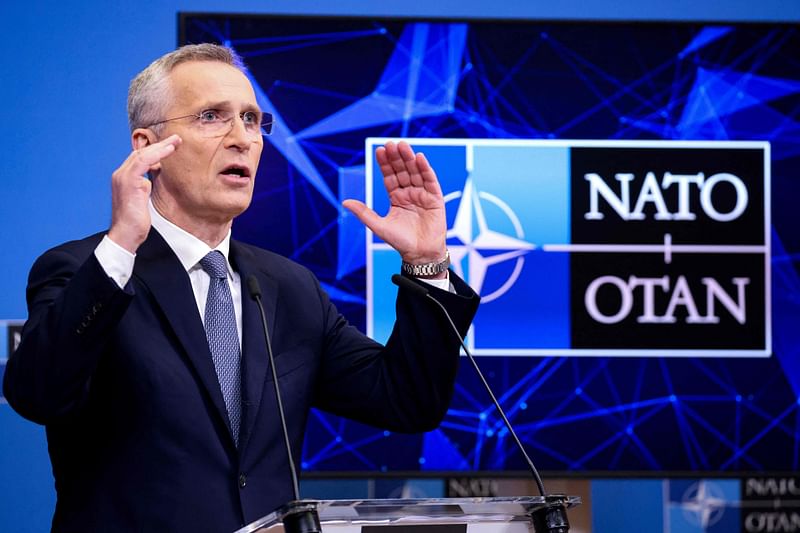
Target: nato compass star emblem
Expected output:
[471,241]
[703,504]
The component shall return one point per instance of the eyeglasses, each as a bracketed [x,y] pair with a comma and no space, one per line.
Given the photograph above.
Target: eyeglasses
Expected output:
[217,123]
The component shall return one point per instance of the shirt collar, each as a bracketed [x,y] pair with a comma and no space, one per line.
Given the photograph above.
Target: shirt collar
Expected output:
[189,249]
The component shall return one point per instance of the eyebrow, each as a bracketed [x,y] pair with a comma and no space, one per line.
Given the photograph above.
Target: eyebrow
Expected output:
[226,104]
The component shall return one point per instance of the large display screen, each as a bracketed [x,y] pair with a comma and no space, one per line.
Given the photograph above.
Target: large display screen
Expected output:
[622,195]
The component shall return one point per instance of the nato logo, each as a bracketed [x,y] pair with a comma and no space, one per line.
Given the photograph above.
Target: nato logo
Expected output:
[703,506]
[598,247]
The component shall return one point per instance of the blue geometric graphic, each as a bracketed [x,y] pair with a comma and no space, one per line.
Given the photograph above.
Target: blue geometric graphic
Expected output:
[332,83]
[420,80]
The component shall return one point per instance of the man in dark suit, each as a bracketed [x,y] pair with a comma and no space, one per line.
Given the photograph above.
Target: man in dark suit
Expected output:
[152,426]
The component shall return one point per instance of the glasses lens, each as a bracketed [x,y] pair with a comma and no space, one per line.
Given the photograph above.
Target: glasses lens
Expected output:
[266,123]
[222,123]
[214,123]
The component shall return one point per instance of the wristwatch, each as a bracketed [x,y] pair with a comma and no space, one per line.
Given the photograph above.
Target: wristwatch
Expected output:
[426,269]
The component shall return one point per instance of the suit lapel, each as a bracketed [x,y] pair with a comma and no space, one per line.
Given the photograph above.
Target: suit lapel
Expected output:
[159,269]
[255,361]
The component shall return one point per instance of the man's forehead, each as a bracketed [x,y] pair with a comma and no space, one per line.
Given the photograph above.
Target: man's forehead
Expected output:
[210,80]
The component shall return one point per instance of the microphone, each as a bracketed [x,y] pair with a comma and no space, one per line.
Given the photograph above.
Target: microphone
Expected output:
[301,519]
[552,518]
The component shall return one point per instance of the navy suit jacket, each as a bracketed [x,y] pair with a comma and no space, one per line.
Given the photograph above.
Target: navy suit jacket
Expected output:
[124,382]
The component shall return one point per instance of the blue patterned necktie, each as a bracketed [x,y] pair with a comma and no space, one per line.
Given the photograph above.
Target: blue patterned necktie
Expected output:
[223,340]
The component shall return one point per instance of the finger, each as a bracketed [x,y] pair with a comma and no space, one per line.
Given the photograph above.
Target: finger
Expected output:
[389,178]
[395,165]
[367,216]
[384,154]
[380,154]
[409,159]
[428,175]
[146,186]
[141,160]
[173,141]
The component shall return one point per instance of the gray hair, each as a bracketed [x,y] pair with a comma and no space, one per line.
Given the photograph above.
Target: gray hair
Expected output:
[149,92]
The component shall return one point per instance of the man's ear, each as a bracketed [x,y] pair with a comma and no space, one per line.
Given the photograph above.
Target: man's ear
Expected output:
[141,138]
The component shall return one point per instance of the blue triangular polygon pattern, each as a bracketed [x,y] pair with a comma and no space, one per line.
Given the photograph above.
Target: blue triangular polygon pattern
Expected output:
[342,296]
[705,37]
[440,454]
[720,94]
[283,141]
[420,80]
[373,110]
[785,289]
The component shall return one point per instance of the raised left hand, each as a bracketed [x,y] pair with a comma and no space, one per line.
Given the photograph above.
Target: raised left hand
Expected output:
[415,225]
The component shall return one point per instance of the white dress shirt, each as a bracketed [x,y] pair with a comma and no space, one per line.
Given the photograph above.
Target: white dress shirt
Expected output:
[118,264]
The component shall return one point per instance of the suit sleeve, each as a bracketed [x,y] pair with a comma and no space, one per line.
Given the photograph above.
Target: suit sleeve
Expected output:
[408,384]
[72,309]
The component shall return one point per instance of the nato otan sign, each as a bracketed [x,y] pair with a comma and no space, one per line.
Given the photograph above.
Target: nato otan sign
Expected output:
[647,248]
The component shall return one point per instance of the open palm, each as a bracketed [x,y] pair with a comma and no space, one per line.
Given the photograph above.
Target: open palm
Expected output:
[415,225]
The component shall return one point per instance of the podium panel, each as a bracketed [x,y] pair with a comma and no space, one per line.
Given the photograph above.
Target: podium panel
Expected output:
[433,515]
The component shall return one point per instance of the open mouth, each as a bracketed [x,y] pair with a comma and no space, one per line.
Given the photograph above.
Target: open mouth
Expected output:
[236,170]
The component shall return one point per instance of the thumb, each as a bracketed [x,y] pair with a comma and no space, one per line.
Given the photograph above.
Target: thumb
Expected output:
[367,216]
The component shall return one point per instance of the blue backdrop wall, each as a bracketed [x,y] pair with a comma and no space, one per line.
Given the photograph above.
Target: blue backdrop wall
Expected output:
[65,75]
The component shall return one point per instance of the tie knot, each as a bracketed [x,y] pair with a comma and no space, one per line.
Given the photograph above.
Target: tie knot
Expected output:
[214,264]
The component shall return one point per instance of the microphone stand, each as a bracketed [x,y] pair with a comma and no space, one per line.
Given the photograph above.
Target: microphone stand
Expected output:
[552,516]
[298,517]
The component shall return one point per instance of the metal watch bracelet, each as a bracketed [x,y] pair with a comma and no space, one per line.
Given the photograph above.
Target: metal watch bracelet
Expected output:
[426,269]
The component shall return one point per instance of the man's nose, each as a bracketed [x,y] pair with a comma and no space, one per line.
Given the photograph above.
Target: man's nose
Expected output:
[237,134]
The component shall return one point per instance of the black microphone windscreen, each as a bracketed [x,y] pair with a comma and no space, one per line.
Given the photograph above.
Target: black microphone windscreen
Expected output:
[253,286]
[405,283]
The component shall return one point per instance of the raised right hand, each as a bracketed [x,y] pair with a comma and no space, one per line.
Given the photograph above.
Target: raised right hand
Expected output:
[130,192]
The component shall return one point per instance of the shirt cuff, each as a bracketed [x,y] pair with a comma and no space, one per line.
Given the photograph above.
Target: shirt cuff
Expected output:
[115,260]
[443,284]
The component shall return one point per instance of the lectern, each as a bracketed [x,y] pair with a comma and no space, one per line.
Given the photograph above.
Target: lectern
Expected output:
[434,515]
